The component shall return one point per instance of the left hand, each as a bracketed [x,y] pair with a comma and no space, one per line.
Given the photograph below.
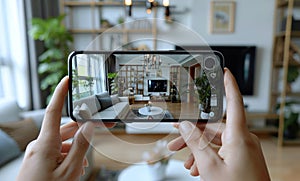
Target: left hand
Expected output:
[49,157]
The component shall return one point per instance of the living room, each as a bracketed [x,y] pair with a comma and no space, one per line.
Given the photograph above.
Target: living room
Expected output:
[151,86]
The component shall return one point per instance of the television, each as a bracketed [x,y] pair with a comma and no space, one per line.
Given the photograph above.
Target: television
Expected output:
[157,85]
[240,60]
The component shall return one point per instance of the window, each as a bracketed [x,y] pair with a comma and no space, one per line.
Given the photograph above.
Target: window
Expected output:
[14,79]
[88,75]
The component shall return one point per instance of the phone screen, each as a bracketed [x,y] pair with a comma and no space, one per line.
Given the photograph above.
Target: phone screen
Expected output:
[146,86]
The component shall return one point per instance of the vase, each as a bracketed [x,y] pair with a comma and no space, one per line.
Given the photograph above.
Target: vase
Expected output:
[149,108]
[157,171]
[204,115]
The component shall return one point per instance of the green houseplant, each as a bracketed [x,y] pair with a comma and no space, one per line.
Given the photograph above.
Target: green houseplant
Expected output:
[291,125]
[57,41]
[203,89]
[292,75]
[113,82]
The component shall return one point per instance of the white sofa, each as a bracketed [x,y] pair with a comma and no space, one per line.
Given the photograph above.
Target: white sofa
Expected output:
[101,106]
[21,123]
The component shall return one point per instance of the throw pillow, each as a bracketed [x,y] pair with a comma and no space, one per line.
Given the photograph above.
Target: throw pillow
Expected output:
[8,148]
[85,112]
[9,110]
[105,102]
[114,99]
[76,112]
[22,132]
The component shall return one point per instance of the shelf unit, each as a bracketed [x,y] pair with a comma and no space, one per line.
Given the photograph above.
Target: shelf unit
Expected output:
[67,7]
[284,50]
[131,76]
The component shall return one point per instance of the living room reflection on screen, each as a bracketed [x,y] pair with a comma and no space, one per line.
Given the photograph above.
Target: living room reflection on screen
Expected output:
[140,86]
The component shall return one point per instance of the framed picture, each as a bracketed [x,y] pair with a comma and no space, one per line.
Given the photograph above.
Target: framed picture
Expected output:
[222,16]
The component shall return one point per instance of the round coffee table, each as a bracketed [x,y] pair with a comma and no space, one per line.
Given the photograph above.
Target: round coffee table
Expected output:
[154,111]
[175,171]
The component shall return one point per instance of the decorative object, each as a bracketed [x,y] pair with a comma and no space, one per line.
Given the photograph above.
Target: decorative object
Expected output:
[222,16]
[158,159]
[149,105]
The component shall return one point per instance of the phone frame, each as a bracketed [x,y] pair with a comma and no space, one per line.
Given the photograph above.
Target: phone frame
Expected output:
[161,52]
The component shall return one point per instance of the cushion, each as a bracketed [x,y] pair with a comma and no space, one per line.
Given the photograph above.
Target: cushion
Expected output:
[91,102]
[9,148]
[76,112]
[22,132]
[84,112]
[9,110]
[114,99]
[105,102]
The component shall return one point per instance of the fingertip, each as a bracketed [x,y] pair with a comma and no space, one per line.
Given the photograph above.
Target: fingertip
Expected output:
[185,129]
[194,170]
[87,130]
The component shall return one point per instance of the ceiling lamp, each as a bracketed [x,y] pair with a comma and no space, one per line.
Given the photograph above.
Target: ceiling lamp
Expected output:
[151,62]
[166,4]
[128,4]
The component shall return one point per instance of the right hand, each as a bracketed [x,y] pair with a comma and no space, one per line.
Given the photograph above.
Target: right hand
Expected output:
[239,155]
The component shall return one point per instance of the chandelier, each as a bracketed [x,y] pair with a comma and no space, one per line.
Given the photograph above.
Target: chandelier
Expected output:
[150,4]
[151,62]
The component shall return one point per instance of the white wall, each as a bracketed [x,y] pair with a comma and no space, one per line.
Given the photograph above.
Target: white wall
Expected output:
[253,25]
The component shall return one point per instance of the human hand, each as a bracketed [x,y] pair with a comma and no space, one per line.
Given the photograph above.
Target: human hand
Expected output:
[49,157]
[239,155]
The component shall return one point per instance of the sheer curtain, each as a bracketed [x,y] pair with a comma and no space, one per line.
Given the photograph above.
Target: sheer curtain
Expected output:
[98,65]
[14,70]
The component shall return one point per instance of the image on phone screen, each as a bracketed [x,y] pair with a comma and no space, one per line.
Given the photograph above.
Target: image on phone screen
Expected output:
[146,86]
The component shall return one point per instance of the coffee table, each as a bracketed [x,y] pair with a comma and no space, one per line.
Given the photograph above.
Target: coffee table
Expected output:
[154,111]
[175,171]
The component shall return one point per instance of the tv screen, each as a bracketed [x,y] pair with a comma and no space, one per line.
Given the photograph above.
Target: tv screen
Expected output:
[157,85]
[241,62]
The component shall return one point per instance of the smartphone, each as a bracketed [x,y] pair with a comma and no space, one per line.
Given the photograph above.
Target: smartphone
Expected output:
[146,86]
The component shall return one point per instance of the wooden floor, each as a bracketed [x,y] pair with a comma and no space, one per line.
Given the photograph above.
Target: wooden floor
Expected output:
[283,163]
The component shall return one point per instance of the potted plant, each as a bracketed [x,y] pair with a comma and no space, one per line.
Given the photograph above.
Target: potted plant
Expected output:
[291,125]
[293,73]
[112,81]
[57,41]
[203,90]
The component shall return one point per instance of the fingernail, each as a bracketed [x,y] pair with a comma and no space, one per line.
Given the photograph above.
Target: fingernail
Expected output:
[87,130]
[185,127]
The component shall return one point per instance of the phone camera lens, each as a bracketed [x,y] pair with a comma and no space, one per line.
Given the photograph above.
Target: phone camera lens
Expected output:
[209,63]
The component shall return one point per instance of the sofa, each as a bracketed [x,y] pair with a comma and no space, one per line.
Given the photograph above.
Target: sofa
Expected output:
[17,129]
[101,106]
